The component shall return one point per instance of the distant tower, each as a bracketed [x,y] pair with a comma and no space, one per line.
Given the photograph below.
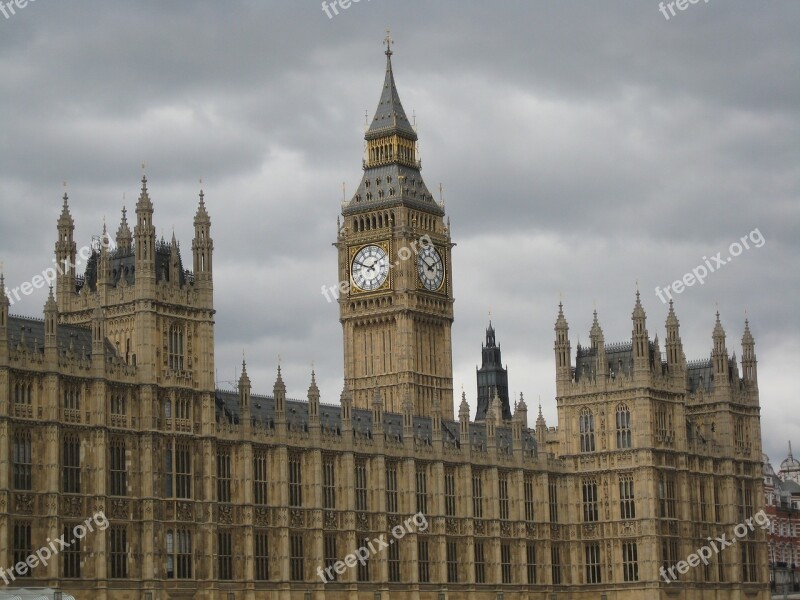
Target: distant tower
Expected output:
[492,378]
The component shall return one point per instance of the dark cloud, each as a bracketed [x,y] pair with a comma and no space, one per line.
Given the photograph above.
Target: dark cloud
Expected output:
[582,147]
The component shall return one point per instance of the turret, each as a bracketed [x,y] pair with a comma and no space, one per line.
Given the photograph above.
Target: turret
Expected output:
[65,251]
[541,429]
[436,420]
[676,361]
[313,402]
[749,362]
[719,357]
[463,419]
[51,328]
[408,420]
[174,261]
[4,304]
[124,236]
[491,428]
[639,338]
[346,400]
[202,244]
[599,345]
[279,393]
[103,267]
[562,349]
[145,235]
[245,419]
[98,340]
[519,423]
[377,414]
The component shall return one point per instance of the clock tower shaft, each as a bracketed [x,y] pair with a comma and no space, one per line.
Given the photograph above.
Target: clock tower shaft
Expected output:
[396,314]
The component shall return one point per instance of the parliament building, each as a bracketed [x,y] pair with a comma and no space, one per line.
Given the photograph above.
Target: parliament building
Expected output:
[108,406]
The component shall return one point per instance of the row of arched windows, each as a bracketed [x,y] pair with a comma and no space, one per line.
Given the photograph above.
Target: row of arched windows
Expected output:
[586,428]
[375,221]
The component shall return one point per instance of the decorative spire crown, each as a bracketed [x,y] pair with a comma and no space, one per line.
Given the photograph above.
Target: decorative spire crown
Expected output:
[390,117]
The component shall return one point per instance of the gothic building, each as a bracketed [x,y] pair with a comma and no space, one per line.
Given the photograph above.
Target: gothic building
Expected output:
[108,407]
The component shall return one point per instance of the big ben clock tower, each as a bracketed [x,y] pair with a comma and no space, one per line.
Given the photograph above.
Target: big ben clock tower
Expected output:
[394,250]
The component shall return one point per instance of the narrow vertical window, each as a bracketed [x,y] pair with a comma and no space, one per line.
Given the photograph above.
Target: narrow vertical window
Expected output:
[623,427]
[552,494]
[477,495]
[21,544]
[505,562]
[261,554]
[391,487]
[71,555]
[118,552]
[71,464]
[529,503]
[23,462]
[450,492]
[593,570]
[627,503]
[589,492]
[118,468]
[502,484]
[295,480]
[223,475]
[480,564]
[328,482]
[586,423]
[530,561]
[224,555]
[297,558]
[451,549]
[422,490]
[630,562]
[260,477]
[361,485]
[423,560]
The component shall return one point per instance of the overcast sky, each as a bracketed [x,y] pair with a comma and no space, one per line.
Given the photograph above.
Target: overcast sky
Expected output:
[582,146]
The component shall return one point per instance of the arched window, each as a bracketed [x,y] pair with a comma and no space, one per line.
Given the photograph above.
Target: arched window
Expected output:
[586,422]
[176,355]
[623,426]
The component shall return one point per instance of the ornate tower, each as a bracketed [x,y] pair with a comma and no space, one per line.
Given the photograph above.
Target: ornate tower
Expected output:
[492,378]
[394,253]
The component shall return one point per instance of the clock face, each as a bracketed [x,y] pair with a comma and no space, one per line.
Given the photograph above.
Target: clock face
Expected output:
[430,268]
[370,268]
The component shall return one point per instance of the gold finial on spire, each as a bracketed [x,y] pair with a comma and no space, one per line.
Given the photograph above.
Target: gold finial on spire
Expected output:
[344,192]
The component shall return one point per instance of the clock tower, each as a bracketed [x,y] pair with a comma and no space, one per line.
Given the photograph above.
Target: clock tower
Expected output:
[394,253]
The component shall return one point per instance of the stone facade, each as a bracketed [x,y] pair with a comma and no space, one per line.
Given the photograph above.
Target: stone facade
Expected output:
[108,406]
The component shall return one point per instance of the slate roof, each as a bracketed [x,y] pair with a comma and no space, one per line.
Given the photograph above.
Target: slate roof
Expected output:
[123,261]
[262,411]
[30,333]
[390,117]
